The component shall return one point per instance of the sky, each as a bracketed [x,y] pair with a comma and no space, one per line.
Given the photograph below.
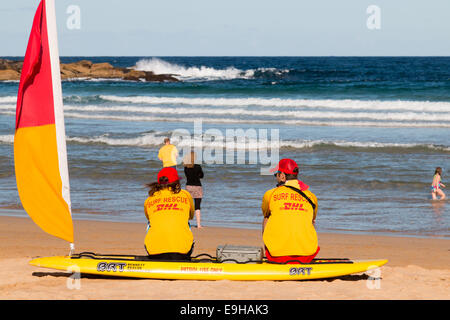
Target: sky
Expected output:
[236,27]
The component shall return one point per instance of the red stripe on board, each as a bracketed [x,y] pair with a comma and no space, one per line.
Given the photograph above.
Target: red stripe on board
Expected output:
[35,106]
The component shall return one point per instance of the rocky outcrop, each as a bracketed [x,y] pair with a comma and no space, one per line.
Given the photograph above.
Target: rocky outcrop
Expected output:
[84,69]
[10,70]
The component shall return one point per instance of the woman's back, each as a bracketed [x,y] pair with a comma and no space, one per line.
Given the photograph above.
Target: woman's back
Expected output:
[168,214]
[193,175]
[168,210]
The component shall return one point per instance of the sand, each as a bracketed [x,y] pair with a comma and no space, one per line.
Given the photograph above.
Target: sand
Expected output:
[418,268]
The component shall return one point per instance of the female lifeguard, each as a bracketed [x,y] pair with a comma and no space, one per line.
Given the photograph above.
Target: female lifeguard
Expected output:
[168,210]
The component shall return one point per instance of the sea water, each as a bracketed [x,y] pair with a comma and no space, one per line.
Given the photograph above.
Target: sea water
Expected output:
[367,134]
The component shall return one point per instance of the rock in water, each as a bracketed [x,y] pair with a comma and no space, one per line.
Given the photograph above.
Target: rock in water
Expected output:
[85,69]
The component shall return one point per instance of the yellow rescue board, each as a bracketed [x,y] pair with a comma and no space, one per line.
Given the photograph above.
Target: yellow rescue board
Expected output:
[127,267]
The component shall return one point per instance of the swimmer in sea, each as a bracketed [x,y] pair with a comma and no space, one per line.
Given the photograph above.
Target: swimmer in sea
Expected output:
[436,185]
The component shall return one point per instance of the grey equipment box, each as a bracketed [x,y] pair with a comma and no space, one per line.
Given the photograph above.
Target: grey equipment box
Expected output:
[232,254]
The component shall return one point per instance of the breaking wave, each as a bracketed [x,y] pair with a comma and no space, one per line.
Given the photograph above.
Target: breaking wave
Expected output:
[159,66]
[154,139]
[423,106]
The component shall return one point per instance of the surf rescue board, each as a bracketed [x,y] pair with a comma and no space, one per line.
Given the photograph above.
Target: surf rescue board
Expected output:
[139,267]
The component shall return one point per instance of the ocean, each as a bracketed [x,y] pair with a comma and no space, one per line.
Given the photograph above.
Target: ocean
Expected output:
[367,133]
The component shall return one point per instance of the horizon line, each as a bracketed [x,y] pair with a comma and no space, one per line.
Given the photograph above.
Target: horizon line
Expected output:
[248,56]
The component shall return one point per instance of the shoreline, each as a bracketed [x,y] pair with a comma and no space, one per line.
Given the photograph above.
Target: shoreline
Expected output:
[328,241]
[417,268]
[20,213]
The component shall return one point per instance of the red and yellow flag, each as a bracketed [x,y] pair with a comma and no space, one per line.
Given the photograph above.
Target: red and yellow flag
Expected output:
[39,144]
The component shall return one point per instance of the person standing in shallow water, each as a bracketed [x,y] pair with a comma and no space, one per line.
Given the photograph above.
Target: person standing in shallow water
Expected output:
[436,185]
[168,154]
[193,174]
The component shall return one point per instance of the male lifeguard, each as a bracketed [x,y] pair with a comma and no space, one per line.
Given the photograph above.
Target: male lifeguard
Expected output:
[289,212]
[168,154]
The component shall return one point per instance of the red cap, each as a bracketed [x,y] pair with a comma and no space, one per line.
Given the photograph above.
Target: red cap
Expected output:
[286,166]
[170,173]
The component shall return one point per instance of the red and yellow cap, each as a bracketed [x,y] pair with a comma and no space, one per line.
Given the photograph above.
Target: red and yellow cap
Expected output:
[286,166]
[170,173]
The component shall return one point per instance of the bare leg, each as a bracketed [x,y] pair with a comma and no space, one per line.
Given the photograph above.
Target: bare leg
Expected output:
[441,194]
[197,216]
[433,195]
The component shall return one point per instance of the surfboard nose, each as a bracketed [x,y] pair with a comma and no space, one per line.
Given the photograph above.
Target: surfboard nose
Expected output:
[35,262]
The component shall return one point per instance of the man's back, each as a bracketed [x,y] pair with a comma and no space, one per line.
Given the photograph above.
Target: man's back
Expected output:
[289,229]
[168,155]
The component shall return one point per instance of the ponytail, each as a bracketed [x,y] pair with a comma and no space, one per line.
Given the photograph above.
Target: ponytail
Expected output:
[175,187]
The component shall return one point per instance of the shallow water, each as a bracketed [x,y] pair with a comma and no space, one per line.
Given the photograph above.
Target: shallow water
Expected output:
[366,132]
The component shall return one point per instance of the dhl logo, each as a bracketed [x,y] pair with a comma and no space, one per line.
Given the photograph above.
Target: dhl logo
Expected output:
[167,206]
[293,206]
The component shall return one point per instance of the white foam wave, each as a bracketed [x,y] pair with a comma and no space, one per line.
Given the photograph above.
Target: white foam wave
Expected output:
[8,99]
[299,114]
[154,139]
[159,66]
[345,104]
[349,104]
[359,144]
[250,143]
[132,118]
[349,119]
[146,140]
[7,139]
[403,116]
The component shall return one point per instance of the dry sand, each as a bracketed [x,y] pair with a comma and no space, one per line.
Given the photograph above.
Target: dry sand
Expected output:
[417,269]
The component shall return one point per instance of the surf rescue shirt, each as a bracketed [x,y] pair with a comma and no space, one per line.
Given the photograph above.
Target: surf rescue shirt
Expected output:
[168,214]
[168,155]
[289,230]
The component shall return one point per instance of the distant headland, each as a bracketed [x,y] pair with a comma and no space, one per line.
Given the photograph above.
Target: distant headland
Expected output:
[85,69]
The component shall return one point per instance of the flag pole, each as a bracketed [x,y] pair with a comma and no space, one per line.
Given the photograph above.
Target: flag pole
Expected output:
[58,100]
